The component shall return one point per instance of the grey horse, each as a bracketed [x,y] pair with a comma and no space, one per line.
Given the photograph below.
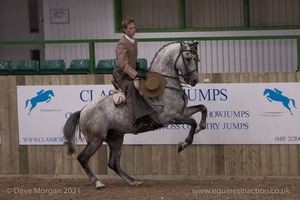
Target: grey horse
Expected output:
[100,121]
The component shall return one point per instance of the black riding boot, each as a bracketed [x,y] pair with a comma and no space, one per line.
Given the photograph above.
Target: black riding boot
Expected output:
[140,125]
[144,124]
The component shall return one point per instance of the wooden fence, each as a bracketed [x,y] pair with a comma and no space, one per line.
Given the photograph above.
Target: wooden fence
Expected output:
[144,160]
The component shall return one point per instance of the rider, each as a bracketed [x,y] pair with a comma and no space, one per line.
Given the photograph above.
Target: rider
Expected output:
[125,71]
[277,91]
[40,92]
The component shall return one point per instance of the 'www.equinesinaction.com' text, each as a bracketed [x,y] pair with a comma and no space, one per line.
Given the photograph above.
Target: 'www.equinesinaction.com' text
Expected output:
[221,191]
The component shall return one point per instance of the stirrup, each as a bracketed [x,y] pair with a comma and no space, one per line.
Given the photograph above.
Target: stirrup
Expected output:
[140,126]
[151,123]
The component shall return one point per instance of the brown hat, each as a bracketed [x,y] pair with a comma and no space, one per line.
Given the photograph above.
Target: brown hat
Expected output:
[153,86]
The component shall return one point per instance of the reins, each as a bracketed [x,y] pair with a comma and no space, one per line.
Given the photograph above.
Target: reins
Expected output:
[182,50]
[180,89]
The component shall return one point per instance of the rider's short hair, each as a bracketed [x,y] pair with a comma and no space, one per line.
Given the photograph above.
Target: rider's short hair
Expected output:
[125,22]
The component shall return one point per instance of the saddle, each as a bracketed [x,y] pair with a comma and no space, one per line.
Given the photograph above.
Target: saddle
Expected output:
[145,123]
[151,87]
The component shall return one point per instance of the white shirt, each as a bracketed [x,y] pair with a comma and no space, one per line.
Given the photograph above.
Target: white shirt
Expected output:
[130,39]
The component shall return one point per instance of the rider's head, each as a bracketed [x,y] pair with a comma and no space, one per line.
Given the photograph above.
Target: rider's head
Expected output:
[128,27]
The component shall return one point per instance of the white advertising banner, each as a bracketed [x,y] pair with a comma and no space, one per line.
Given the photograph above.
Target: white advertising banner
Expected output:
[246,113]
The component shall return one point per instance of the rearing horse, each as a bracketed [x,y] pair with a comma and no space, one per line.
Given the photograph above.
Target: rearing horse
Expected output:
[100,121]
[41,97]
[276,95]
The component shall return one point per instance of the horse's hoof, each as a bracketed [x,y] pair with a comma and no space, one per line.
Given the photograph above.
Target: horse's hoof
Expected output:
[203,126]
[136,183]
[100,187]
[180,146]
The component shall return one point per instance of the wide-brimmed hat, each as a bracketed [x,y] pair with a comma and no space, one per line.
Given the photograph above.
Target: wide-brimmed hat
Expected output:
[153,86]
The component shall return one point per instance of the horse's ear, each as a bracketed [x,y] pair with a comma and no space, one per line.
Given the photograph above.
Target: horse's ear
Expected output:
[193,43]
[183,45]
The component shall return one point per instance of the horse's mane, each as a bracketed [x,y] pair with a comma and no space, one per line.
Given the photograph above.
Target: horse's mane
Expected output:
[159,51]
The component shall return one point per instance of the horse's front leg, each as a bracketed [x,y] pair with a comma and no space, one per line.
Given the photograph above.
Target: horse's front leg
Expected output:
[49,99]
[190,138]
[202,124]
[189,111]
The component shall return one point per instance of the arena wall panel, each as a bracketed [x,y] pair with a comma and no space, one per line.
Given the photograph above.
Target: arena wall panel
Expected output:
[141,160]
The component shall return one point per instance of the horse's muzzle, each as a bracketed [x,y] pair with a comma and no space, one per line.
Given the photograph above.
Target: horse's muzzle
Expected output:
[194,82]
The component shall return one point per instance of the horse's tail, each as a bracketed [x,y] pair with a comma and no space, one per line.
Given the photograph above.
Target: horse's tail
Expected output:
[293,103]
[27,103]
[70,128]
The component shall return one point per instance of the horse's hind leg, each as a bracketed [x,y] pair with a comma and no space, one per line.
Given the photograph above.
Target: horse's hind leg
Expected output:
[84,158]
[286,105]
[33,105]
[115,142]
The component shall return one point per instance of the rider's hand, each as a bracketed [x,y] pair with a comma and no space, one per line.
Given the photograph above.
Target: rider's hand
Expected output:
[141,75]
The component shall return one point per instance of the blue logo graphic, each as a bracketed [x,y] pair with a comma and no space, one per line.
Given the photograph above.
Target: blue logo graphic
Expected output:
[276,95]
[42,96]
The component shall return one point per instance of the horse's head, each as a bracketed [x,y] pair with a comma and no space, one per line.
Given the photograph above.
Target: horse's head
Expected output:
[51,93]
[185,63]
[177,58]
[266,91]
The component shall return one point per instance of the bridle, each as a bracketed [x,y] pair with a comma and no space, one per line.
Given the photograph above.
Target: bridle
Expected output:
[186,76]
[181,52]
[183,49]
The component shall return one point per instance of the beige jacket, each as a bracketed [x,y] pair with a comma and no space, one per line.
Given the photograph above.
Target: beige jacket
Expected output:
[126,56]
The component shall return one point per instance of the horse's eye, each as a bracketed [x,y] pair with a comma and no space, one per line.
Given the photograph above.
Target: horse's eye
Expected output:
[188,56]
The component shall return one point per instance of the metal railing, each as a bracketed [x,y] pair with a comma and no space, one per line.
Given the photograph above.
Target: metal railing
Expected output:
[91,43]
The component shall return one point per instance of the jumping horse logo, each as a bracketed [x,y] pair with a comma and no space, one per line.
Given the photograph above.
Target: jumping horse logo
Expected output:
[276,95]
[41,97]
